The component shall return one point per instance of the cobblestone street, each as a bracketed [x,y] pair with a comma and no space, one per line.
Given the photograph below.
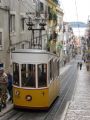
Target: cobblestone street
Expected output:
[79,107]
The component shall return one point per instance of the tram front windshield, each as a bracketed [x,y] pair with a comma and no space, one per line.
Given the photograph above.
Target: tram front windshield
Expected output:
[27,78]
[28,75]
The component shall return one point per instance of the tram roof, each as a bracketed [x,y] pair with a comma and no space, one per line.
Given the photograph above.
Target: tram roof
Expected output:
[28,50]
[33,51]
[32,56]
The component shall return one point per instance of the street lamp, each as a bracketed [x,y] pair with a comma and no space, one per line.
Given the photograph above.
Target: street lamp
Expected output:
[30,24]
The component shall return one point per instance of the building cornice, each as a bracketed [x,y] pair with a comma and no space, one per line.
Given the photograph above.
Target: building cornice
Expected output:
[5,8]
[59,10]
[52,3]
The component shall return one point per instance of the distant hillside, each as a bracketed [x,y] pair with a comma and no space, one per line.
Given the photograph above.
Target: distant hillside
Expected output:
[78,24]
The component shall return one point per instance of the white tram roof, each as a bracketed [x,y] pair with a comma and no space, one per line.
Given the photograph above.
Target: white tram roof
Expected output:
[32,56]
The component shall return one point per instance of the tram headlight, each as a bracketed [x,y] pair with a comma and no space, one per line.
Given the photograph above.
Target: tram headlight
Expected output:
[28,97]
[17,93]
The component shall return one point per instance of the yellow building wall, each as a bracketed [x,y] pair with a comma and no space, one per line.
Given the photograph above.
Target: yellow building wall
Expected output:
[52,5]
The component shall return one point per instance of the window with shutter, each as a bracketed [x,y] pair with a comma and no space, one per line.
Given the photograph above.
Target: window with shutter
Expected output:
[12,23]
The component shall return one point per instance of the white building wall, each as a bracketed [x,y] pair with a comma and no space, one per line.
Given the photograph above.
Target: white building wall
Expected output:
[4,3]
[20,8]
[4,28]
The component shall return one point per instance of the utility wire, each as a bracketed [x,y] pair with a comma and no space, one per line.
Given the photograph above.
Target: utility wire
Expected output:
[77,16]
[62,7]
[28,3]
[25,6]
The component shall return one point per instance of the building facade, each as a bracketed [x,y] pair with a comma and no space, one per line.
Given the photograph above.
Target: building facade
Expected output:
[14,29]
[4,34]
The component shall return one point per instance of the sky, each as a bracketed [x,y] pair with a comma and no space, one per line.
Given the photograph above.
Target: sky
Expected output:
[78,12]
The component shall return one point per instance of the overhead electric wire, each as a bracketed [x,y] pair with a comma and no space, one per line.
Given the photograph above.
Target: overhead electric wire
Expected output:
[77,16]
[25,6]
[28,3]
[76,9]
[62,6]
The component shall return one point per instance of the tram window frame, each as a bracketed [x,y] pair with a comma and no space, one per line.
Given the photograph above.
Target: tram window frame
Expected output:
[23,73]
[30,69]
[42,77]
[16,80]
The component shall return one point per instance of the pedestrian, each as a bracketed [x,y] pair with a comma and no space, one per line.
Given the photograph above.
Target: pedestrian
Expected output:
[80,64]
[9,85]
[84,60]
[3,87]
[64,62]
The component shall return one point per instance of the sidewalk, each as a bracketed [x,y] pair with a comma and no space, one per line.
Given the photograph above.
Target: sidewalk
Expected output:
[79,106]
[7,109]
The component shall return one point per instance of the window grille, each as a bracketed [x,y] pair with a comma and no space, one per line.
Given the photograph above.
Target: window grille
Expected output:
[22,24]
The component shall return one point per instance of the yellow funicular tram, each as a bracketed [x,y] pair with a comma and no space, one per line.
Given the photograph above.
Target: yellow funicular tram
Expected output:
[35,78]
[35,74]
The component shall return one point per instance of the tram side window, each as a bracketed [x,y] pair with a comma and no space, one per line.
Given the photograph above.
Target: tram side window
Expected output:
[28,76]
[51,69]
[16,74]
[42,75]
[58,68]
[55,69]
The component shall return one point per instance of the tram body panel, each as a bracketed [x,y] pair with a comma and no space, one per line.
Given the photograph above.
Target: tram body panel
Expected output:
[54,90]
[39,97]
